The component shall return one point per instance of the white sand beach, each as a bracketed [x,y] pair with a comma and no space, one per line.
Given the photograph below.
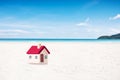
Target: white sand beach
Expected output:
[67,61]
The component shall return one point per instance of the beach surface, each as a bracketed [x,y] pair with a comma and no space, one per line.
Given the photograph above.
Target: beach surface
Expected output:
[67,61]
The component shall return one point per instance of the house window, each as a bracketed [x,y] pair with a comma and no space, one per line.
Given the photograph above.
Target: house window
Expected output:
[45,56]
[35,57]
[30,57]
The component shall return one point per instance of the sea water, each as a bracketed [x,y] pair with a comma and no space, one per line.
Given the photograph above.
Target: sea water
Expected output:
[56,40]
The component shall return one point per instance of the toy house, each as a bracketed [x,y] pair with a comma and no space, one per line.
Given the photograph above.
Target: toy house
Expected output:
[38,54]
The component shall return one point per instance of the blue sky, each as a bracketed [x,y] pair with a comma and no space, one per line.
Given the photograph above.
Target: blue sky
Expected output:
[85,19]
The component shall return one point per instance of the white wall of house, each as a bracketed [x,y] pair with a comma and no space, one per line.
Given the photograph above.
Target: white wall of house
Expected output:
[34,58]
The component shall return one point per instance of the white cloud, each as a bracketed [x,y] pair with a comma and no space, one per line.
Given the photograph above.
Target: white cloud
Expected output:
[114,30]
[82,24]
[15,25]
[22,33]
[85,23]
[13,32]
[93,30]
[115,17]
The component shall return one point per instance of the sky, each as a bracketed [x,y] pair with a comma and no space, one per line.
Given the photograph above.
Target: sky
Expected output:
[79,19]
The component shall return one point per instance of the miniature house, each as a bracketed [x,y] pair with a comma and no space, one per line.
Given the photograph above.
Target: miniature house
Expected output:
[38,54]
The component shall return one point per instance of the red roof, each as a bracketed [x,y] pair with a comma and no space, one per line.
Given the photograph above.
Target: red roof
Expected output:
[36,50]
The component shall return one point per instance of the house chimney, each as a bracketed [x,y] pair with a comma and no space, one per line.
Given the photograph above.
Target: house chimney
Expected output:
[39,45]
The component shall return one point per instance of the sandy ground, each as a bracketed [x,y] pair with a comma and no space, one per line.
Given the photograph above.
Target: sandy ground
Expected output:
[67,61]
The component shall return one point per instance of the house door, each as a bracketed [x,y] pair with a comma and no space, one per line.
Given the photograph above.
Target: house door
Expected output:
[41,58]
